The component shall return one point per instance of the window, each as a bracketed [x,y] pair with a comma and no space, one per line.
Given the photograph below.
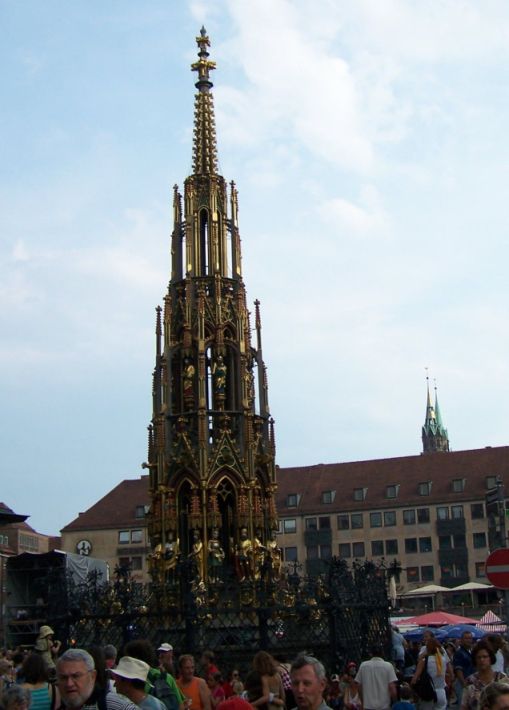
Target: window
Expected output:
[292,500]
[460,570]
[345,550]
[311,524]
[424,489]
[392,491]
[377,548]
[444,542]
[289,525]
[343,522]
[328,496]
[4,540]
[457,512]
[389,518]
[480,570]
[477,511]
[410,545]
[391,547]
[324,523]
[375,520]
[443,513]
[458,485]
[312,552]
[446,571]
[479,540]
[425,544]
[409,517]
[123,536]
[423,515]
[137,536]
[359,493]
[136,563]
[427,573]
[357,521]
[139,512]
[325,552]
[412,574]
[459,540]
[358,549]
[290,554]
[124,562]
[28,543]
[491,482]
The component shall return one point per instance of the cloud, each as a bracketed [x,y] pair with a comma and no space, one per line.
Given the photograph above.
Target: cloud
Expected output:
[353,218]
[300,90]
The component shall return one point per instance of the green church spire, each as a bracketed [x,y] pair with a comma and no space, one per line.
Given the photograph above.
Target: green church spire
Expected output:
[434,434]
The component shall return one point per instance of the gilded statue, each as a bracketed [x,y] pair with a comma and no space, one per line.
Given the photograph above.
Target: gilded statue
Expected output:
[171,551]
[274,554]
[219,372]
[196,553]
[243,556]
[216,556]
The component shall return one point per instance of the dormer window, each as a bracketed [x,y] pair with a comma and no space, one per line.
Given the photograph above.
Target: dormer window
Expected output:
[392,491]
[359,494]
[424,489]
[292,500]
[458,485]
[328,497]
[140,511]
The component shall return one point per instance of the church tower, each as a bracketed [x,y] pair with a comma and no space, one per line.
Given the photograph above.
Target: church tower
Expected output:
[211,448]
[434,434]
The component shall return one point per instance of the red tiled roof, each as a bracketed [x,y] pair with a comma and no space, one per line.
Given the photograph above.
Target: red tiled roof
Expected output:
[407,472]
[116,509]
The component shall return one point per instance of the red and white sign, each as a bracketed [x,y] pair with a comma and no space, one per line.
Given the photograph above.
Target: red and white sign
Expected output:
[497,568]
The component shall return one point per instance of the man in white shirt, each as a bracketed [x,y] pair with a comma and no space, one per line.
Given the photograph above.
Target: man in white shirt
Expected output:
[377,681]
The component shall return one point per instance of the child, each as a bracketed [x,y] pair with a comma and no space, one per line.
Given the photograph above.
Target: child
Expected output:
[405,693]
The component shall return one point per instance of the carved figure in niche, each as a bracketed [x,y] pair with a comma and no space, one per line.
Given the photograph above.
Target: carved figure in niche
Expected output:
[187,378]
[155,562]
[243,556]
[196,553]
[274,554]
[171,551]
[219,372]
[258,553]
[215,556]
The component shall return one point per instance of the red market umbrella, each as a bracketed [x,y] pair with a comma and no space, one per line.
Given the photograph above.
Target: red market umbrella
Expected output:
[439,618]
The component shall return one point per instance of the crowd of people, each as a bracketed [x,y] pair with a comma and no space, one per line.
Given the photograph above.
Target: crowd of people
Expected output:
[426,676]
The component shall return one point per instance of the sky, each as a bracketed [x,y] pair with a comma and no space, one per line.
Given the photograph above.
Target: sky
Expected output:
[368,141]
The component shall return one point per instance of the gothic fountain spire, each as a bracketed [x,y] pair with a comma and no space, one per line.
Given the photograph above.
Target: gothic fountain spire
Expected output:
[204,143]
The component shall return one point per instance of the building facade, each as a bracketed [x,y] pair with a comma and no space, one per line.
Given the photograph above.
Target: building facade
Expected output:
[115,529]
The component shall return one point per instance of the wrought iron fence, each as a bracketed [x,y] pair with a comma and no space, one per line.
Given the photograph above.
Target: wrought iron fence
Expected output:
[335,616]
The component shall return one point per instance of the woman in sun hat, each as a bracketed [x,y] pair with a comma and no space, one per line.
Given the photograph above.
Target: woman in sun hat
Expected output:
[48,648]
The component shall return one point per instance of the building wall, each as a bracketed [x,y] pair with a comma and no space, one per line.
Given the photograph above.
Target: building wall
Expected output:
[117,546]
[449,549]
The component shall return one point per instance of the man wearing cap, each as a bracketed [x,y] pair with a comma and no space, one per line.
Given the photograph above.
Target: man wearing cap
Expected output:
[130,678]
[164,686]
[165,657]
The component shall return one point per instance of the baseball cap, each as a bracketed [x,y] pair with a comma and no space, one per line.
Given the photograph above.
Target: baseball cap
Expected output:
[165,647]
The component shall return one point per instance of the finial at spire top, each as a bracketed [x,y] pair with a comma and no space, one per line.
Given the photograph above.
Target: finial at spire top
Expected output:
[203,65]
